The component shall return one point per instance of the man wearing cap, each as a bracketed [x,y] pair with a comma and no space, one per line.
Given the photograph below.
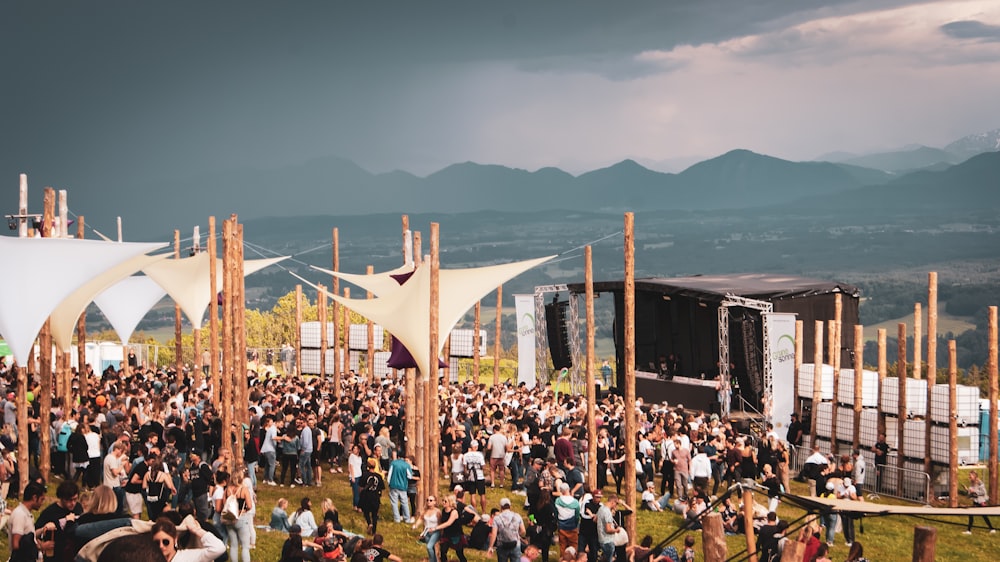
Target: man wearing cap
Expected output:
[847,491]
[505,539]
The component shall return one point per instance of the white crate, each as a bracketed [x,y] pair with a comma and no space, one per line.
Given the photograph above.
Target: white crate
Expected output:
[968,444]
[914,439]
[806,375]
[358,337]
[461,343]
[869,428]
[869,388]
[891,432]
[966,402]
[310,361]
[311,336]
[845,423]
[916,396]
[824,419]
[379,366]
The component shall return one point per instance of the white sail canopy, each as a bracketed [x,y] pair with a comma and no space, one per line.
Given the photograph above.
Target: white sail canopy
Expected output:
[405,311]
[188,281]
[46,272]
[127,302]
[377,283]
[64,317]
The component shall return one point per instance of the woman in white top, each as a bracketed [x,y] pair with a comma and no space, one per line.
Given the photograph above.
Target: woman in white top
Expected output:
[239,534]
[303,517]
[430,519]
[336,430]
[354,474]
[219,499]
[457,465]
[165,537]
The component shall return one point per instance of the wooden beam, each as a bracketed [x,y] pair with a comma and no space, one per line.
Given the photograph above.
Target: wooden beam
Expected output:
[901,410]
[991,371]
[591,389]
[496,337]
[213,313]
[952,424]
[46,372]
[81,334]
[178,335]
[817,396]
[630,421]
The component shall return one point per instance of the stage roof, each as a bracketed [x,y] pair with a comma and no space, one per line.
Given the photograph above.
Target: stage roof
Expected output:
[761,286]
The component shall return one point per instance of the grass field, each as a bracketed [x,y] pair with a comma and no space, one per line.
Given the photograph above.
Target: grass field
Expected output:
[946,323]
[885,539]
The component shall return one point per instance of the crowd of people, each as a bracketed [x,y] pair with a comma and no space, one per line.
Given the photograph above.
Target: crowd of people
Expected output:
[149,441]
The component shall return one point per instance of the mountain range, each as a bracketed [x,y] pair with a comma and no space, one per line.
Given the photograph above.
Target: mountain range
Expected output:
[963,174]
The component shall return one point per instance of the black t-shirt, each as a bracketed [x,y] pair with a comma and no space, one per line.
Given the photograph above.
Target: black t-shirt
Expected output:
[52,514]
[139,471]
[881,452]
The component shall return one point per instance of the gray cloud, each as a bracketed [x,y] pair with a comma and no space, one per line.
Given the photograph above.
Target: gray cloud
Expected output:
[971,29]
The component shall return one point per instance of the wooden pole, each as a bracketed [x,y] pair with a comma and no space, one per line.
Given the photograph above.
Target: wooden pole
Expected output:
[22,423]
[435,310]
[799,337]
[346,322]
[65,377]
[713,538]
[952,424]
[321,316]
[476,342]
[178,335]
[817,378]
[859,369]
[45,369]
[227,380]
[338,357]
[835,357]
[81,333]
[496,337]
[196,332]
[241,409]
[991,369]
[918,336]
[371,336]
[901,409]
[421,408]
[924,544]
[748,525]
[883,372]
[213,312]
[591,389]
[298,329]
[932,313]
[630,421]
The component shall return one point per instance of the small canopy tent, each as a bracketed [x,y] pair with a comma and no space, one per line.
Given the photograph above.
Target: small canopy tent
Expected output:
[377,283]
[127,302]
[188,281]
[65,316]
[28,298]
[404,310]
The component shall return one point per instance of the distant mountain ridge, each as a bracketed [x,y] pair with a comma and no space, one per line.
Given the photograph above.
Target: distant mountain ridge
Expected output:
[337,186]
[913,158]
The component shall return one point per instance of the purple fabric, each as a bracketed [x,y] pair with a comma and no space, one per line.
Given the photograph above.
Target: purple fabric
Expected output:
[401,358]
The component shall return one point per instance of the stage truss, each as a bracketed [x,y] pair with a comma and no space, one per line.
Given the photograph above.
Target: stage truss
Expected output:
[765,309]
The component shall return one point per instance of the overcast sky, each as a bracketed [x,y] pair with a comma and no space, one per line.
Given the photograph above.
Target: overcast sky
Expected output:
[129,89]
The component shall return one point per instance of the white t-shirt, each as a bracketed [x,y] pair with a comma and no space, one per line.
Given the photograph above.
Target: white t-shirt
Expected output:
[475,461]
[93,444]
[354,466]
[112,464]
[22,522]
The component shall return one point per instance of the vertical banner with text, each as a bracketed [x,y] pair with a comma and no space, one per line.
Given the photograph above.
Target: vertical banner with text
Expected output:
[524,306]
[781,346]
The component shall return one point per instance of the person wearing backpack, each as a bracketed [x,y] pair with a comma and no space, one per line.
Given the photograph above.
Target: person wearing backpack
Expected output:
[157,488]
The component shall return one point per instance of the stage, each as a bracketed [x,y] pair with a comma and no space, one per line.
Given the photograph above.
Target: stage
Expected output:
[693,393]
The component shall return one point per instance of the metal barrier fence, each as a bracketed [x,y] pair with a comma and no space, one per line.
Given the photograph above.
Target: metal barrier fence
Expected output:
[883,480]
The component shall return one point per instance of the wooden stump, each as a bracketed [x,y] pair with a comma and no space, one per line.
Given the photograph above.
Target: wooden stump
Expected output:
[713,538]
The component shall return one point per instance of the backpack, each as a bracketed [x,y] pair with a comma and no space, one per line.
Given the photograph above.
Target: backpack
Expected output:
[154,491]
[62,439]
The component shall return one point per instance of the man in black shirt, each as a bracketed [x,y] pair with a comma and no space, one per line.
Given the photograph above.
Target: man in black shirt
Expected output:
[881,450]
[795,431]
[66,508]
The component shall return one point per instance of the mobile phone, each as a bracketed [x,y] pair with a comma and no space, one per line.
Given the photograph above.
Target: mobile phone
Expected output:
[48,536]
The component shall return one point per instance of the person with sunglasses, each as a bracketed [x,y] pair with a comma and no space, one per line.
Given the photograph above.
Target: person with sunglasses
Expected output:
[165,537]
[431,534]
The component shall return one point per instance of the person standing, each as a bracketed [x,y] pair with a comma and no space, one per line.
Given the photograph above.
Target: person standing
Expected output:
[306,450]
[568,518]
[370,499]
[430,534]
[795,431]
[497,445]
[65,509]
[979,497]
[607,527]
[860,472]
[115,468]
[881,450]
[451,529]
[847,491]
[505,539]
[399,476]
[25,540]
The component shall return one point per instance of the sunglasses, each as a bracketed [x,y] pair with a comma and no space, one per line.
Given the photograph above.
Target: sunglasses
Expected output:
[166,542]
[429,500]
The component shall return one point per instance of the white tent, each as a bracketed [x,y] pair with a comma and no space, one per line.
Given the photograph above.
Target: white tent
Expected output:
[188,281]
[64,317]
[126,302]
[45,271]
[377,283]
[405,310]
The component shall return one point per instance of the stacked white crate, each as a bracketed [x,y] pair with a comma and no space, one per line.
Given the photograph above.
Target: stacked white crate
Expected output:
[967,403]
[806,374]
[824,419]
[869,388]
[357,337]
[914,439]
[310,361]
[968,444]
[845,423]
[869,428]
[310,334]
[891,432]
[916,397]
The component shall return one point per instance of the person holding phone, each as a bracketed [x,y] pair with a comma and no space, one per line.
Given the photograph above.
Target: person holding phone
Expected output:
[64,510]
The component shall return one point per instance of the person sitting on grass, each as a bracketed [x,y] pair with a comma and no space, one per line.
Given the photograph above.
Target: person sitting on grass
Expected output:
[279,516]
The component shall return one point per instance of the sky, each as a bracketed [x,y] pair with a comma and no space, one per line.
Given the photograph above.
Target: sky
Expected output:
[135,91]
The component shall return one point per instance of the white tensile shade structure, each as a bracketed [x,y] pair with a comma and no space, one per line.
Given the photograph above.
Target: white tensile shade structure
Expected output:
[188,281]
[49,271]
[377,283]
[405,311]
[64,317]
[126,302]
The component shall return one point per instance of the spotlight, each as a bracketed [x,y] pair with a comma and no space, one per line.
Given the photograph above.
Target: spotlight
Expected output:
[12,222]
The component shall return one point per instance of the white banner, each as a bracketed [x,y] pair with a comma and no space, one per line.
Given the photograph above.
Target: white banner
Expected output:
[524,306]
[781,346]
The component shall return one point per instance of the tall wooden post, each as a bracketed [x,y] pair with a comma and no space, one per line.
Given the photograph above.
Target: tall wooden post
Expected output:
[421,408]
[226,378]
[713,538]
[240,409]
[345,320]
[196,332]
[817,378]
[883,372]
[81,333]
[340,361]
[496,337]
[630,421]
[924,544]
[991,371]
[591,389]
[859,369]
[901,410]
[213,312]
[371,336]
[918,337]
[21,372]
[178,336]
[799,336]
[321,317]
[298,329]
[435,311]
[748,524]
[45,354]
[952,424]
[835,359]
[932,313]
[476,342]
[64,378]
